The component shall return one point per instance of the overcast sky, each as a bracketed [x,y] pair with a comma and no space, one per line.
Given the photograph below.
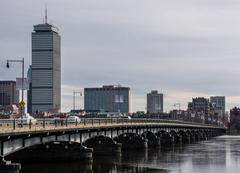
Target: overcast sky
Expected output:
[184,48]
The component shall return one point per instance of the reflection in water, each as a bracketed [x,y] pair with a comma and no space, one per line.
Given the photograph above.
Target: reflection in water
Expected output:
[219,155]
[73,167]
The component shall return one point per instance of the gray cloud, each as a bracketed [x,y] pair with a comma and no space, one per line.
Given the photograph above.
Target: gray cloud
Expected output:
[181,46]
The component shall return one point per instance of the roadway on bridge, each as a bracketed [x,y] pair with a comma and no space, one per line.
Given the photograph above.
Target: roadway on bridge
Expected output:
[11,128]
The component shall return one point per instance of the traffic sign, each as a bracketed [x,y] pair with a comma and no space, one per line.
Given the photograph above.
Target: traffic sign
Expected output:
[21,104]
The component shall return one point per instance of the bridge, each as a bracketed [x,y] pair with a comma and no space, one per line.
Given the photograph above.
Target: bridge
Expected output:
[103,135]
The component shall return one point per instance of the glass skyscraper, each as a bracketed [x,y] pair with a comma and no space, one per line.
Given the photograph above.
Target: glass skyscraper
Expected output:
[46,68]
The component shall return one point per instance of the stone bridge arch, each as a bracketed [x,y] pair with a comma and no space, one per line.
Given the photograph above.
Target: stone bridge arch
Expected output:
[176,138]
[165,137]
[131,141]
[184,136]
[102,145]
[47,152]
[152,139]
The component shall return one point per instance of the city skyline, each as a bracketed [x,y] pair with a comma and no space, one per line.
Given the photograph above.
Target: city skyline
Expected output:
[144,52]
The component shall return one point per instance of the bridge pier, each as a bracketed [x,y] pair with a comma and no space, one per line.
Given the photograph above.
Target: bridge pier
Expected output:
[184,136]
[176,139]
[8,166]
[209,135]
[153,140]
[103,145]
[197,136]
[189,137]
[193,137]
[204,136]
[165,138]
[200,136]
[131,141]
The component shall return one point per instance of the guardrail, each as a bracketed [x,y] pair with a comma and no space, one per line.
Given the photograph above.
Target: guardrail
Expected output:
[44,123]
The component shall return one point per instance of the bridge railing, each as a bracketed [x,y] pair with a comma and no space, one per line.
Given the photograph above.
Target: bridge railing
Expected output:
[7,125]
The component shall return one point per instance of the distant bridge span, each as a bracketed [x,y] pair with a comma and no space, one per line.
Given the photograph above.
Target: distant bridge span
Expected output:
[15,137]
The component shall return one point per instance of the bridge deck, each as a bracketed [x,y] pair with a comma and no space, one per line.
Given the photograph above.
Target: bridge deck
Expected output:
[11,128]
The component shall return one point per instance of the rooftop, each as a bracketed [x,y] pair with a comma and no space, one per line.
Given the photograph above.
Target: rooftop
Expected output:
[45,28]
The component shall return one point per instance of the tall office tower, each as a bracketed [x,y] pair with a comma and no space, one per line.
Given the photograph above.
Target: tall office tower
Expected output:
[8,93]
[154,102]
[46,68]
[108,98]
[218,103]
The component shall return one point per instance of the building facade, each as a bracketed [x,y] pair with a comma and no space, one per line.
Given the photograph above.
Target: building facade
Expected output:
[155,102]
[199,104]
[46,69]
[218,103]
[107,99]
[8,94]
[29,92]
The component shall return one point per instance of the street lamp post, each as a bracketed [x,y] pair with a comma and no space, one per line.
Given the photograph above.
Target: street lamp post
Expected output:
[8,66]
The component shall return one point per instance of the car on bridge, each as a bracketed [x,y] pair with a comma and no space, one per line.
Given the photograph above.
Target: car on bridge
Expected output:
[73,119]
[26,119]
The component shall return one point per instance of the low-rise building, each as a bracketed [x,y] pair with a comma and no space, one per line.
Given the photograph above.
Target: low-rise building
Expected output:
[9,95]
[108,98]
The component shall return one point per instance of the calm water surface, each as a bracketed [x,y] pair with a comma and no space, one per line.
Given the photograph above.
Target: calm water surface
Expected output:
[218,155]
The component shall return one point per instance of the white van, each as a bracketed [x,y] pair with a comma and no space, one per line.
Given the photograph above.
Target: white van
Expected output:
[26,119]
[73,119]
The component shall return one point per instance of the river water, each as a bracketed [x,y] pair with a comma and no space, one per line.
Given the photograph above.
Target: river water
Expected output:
[218,155]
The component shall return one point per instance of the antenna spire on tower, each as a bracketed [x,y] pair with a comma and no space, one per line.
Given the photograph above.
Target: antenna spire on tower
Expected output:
[46,14]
